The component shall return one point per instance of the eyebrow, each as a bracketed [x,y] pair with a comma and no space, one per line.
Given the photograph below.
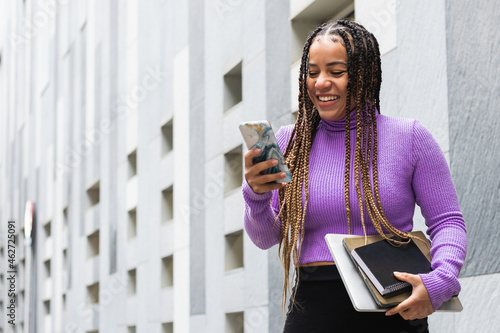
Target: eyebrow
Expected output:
[330,63]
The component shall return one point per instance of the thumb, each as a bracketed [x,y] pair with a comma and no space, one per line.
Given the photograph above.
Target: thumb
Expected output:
[410,278]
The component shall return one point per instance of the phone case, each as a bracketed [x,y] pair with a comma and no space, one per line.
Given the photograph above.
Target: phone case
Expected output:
[259,134]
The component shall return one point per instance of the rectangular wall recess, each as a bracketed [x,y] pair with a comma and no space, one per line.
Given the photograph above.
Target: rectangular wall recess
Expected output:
[132,164]
[93,244]
[235,322]
[233,169]
[167,137]
[233,87]
[132,224]
[167,204]
[234,250]
[167,271]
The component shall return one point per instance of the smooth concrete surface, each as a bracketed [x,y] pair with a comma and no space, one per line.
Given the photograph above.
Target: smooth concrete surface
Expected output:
[480,297]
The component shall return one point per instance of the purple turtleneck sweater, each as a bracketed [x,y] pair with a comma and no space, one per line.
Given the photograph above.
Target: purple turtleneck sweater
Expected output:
[411,170]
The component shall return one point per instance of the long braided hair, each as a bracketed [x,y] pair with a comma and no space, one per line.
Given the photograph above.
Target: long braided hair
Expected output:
[364,79]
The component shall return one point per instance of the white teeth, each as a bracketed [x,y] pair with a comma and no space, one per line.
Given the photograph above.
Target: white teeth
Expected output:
[327,98]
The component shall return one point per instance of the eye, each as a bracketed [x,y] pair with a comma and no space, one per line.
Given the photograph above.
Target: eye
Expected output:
[337,73]
[313,74]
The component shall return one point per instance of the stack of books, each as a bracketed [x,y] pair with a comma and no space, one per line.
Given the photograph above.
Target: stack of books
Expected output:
[379,259]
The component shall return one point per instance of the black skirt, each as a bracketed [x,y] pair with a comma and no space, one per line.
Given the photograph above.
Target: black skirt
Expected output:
[323,305]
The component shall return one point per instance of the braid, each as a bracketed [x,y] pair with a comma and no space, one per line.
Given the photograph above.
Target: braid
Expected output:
[347,175]
[297,154]
[363,88]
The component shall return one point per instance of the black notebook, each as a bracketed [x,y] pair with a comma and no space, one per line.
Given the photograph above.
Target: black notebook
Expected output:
[381,259]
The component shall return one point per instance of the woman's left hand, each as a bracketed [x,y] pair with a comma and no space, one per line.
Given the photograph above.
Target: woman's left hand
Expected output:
[418,305]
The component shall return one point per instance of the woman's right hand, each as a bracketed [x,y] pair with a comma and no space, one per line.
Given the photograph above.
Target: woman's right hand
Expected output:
[261,183]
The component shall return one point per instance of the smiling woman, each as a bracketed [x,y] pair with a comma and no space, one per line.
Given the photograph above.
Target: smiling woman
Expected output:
[391,164]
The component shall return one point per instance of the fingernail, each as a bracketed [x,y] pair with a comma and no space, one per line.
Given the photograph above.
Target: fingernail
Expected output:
[275,162]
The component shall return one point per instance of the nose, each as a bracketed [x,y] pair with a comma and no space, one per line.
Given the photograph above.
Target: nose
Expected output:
[323,82]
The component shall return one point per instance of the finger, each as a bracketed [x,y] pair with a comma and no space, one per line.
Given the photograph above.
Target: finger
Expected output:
[410,311]
[412,314]
[406,277]
[407,315]
[271,177]
[400,308]
[395,310]
[255,170]
[250,155]
[404,315]
[257,181]
[400,275]
[261,166]
[274,186]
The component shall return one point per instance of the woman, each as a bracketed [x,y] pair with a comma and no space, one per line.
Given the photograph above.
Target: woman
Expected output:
[340,144]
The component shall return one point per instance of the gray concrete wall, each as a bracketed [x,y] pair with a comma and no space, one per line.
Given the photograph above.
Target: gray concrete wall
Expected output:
[474,92]
[473,68]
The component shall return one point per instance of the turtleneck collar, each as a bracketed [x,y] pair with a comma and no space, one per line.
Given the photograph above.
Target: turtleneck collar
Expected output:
[339,125]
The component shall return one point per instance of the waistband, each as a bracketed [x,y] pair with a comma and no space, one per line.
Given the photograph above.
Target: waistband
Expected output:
[318,273]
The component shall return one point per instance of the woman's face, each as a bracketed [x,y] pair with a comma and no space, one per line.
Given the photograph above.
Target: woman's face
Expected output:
[327,79]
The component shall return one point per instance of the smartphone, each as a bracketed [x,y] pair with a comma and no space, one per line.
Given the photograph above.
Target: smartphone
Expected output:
[259,134]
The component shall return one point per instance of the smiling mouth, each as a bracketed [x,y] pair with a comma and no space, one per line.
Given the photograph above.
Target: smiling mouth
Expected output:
[327,98]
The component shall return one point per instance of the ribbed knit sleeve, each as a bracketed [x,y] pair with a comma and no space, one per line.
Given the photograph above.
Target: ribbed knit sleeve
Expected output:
[436,195]
[260,215]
